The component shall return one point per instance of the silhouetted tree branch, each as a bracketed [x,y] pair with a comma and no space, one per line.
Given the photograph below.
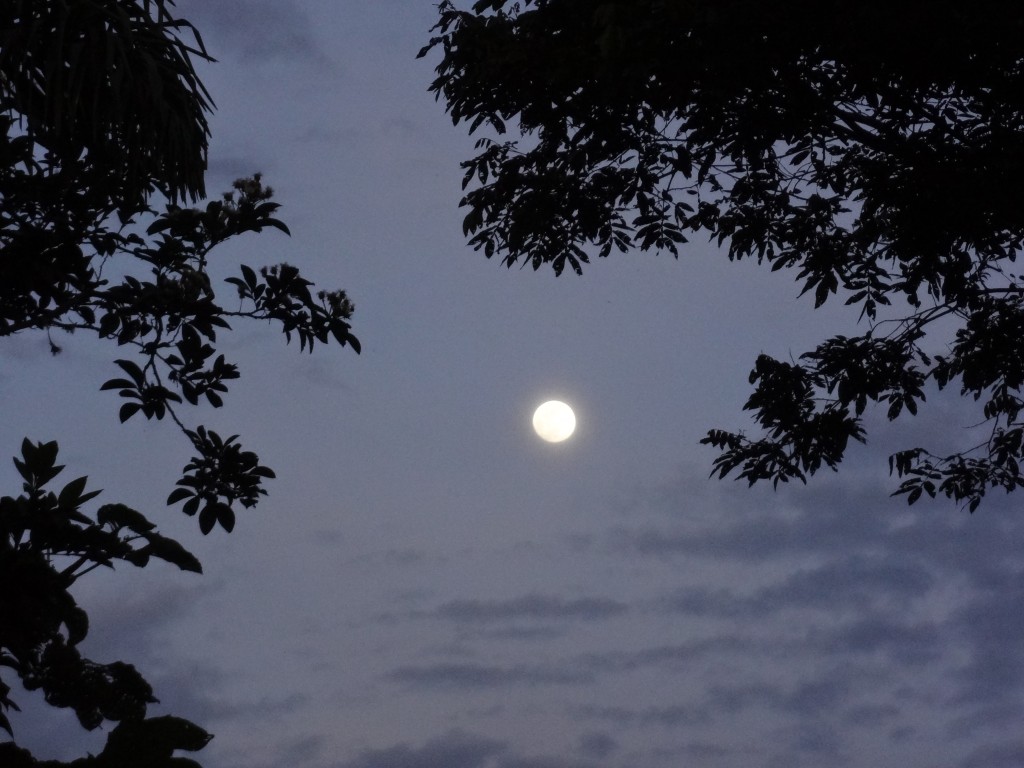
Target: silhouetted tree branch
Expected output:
[874,149]
[101,113]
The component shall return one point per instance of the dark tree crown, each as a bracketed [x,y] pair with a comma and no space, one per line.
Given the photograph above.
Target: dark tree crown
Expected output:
[101,112]
[874,149]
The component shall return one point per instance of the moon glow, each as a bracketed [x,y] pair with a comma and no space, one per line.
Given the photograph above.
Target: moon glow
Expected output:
[554,421]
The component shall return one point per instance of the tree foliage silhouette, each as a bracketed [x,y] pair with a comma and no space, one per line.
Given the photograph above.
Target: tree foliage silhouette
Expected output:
[874,149]
[102,112]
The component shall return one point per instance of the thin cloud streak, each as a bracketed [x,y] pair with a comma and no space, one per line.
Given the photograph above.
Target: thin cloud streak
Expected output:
[463,676]
[532,606]
[257,31]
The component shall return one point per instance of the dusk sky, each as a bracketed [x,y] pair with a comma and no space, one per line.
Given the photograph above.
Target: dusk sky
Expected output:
[429,584]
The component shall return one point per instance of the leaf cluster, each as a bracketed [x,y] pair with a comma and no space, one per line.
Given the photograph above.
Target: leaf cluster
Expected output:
[101,112]
[164,306]
[151,742]
[873,149]
[112,81]
[47,542]
[221,475]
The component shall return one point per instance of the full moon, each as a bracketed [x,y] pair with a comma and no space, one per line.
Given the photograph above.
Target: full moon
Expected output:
[554,421]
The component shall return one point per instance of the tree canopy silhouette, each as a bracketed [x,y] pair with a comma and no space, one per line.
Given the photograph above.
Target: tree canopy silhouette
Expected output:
[102,113]
[874,149]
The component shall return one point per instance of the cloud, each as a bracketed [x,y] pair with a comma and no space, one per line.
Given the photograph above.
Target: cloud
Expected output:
[848,620]
[813,739]
[300,750]
[257,30]
[811,629]
[453,750]
[1009,754]
[222,171]
[853,583]
[543,762]
[532,606]
[991,680]
[748,533]
[806,699]
[664,716]
[674,716]
[907,643]
[461,676]
[873,715]
[663,655]
[532,634]
[457,749]
[195,693]
[597,745]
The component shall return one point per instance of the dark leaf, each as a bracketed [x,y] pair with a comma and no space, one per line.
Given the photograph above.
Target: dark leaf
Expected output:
[179,494]
[208,518]
[128,410]
[123,516]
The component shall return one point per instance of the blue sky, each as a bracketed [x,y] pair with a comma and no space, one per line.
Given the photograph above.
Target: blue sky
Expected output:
[431,585]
